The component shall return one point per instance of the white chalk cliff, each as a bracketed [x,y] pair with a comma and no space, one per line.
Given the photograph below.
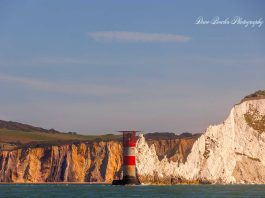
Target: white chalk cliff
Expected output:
[231,152]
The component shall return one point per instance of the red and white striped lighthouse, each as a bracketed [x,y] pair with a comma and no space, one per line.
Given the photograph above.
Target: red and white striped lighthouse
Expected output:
[129,159]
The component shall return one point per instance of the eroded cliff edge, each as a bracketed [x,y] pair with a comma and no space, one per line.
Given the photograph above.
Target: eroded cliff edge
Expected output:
[232,152]
[100,162]
[81,162]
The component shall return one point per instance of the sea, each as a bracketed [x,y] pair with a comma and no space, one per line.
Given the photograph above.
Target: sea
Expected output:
[152,191]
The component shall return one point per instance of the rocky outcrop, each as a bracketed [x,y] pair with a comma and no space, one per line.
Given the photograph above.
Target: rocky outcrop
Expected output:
[82,162]
[96,162]
[175,149]
[232,152]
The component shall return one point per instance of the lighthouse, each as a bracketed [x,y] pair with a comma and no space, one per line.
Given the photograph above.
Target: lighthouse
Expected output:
[129,159]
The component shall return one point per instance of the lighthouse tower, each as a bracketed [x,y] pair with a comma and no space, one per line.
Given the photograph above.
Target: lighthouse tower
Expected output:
[129,159]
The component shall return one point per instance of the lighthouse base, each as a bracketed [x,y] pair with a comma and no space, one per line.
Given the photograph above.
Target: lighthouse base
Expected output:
[127,180]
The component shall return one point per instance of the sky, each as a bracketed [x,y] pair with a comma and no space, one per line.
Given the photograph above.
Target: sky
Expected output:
[97,67]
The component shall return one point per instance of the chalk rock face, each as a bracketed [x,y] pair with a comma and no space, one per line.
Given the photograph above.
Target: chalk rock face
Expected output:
[80,162]
[95,162]
[232,152]
[175,149]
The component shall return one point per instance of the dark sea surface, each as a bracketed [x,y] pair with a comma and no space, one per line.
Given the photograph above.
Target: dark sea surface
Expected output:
[91,190]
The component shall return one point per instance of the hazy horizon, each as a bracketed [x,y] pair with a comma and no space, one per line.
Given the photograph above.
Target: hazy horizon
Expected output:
[94,67]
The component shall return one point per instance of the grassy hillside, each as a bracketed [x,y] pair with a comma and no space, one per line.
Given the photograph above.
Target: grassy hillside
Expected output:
[14,134]
[17,135]
[23,137]
[255,96]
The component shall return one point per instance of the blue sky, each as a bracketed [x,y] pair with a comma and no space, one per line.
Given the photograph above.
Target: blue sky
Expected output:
[102,66]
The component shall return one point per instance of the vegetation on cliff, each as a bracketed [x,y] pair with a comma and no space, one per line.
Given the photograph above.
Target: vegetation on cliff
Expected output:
[254,96]
[255,120]
[17,135]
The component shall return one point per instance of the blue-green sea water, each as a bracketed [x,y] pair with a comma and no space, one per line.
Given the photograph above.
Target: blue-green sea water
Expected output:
[90,190]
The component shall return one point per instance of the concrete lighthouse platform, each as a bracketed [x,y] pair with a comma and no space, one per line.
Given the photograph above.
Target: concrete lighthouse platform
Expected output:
[127,180]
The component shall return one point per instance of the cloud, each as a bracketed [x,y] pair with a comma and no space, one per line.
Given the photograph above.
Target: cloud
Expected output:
[64,87]
[137,37]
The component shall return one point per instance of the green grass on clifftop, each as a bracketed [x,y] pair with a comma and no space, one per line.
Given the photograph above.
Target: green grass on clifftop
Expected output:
[16,138]
[255,96]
